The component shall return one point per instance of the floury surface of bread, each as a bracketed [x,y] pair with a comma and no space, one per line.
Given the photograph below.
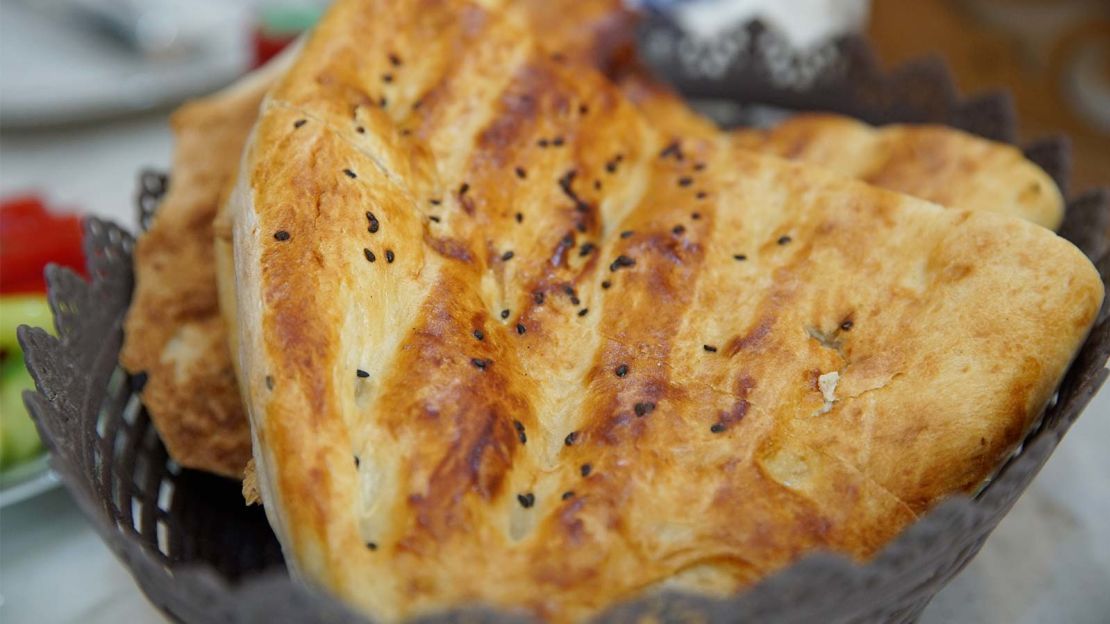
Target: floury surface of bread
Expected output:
[193,399]
[502,342]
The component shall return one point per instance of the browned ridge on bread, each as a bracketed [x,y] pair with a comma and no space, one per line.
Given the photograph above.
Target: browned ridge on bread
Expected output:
[504,342]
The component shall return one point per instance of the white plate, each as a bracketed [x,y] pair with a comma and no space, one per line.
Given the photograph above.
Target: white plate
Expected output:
[22,481]
[53,72]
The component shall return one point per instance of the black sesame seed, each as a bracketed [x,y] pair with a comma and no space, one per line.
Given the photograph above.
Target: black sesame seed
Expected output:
[846,325]
[642,409]
[620,158]
[519,426]
[699,166]
[521,173]
[519,218]
[479,334]
[394,60]
[784,239]
[678,229]
[571,438]
[369,255]
[538,297]
[580,226]
[621,370]
[566,183]
[611,166]
[621,262]
[434,219]
[542,142]
[526,500]
[685,181]
[568,240]
[740,257]
[709,348]
[361,374]
[674,149]
[505,313]
[568,494]
[389,256]
[606,284]
[583,109]
[383,102]
[281,235]
[583,312]
[435,202]
[568,290]
[360,130]
[557,141]
[508,255]
[586,249]
[269,382]
[479,363]
[717,428]
[627,234]
[464,188]
[387,77]
[357,461]
[702,195]
[574,300]
[520,328]
[374,225]
[695,215]
[371,545]
[299,123]
[597,185]
[350,174]
[585,470]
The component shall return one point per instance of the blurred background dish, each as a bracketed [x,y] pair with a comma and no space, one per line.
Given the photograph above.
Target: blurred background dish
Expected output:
[65,61]
[1053,56]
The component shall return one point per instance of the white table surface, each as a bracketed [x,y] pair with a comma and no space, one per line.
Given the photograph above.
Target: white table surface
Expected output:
[1049,560]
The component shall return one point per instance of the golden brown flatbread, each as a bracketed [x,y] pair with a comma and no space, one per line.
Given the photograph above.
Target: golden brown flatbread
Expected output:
[503,342]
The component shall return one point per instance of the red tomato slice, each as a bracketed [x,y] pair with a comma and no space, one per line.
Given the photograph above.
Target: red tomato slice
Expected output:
[17,211]
[30,238]
[267,45]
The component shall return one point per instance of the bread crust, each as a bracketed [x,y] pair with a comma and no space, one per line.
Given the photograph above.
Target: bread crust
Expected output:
[174,331]
[941,164]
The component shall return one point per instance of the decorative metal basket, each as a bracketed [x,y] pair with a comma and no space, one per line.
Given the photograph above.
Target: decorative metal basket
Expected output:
[201,555]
